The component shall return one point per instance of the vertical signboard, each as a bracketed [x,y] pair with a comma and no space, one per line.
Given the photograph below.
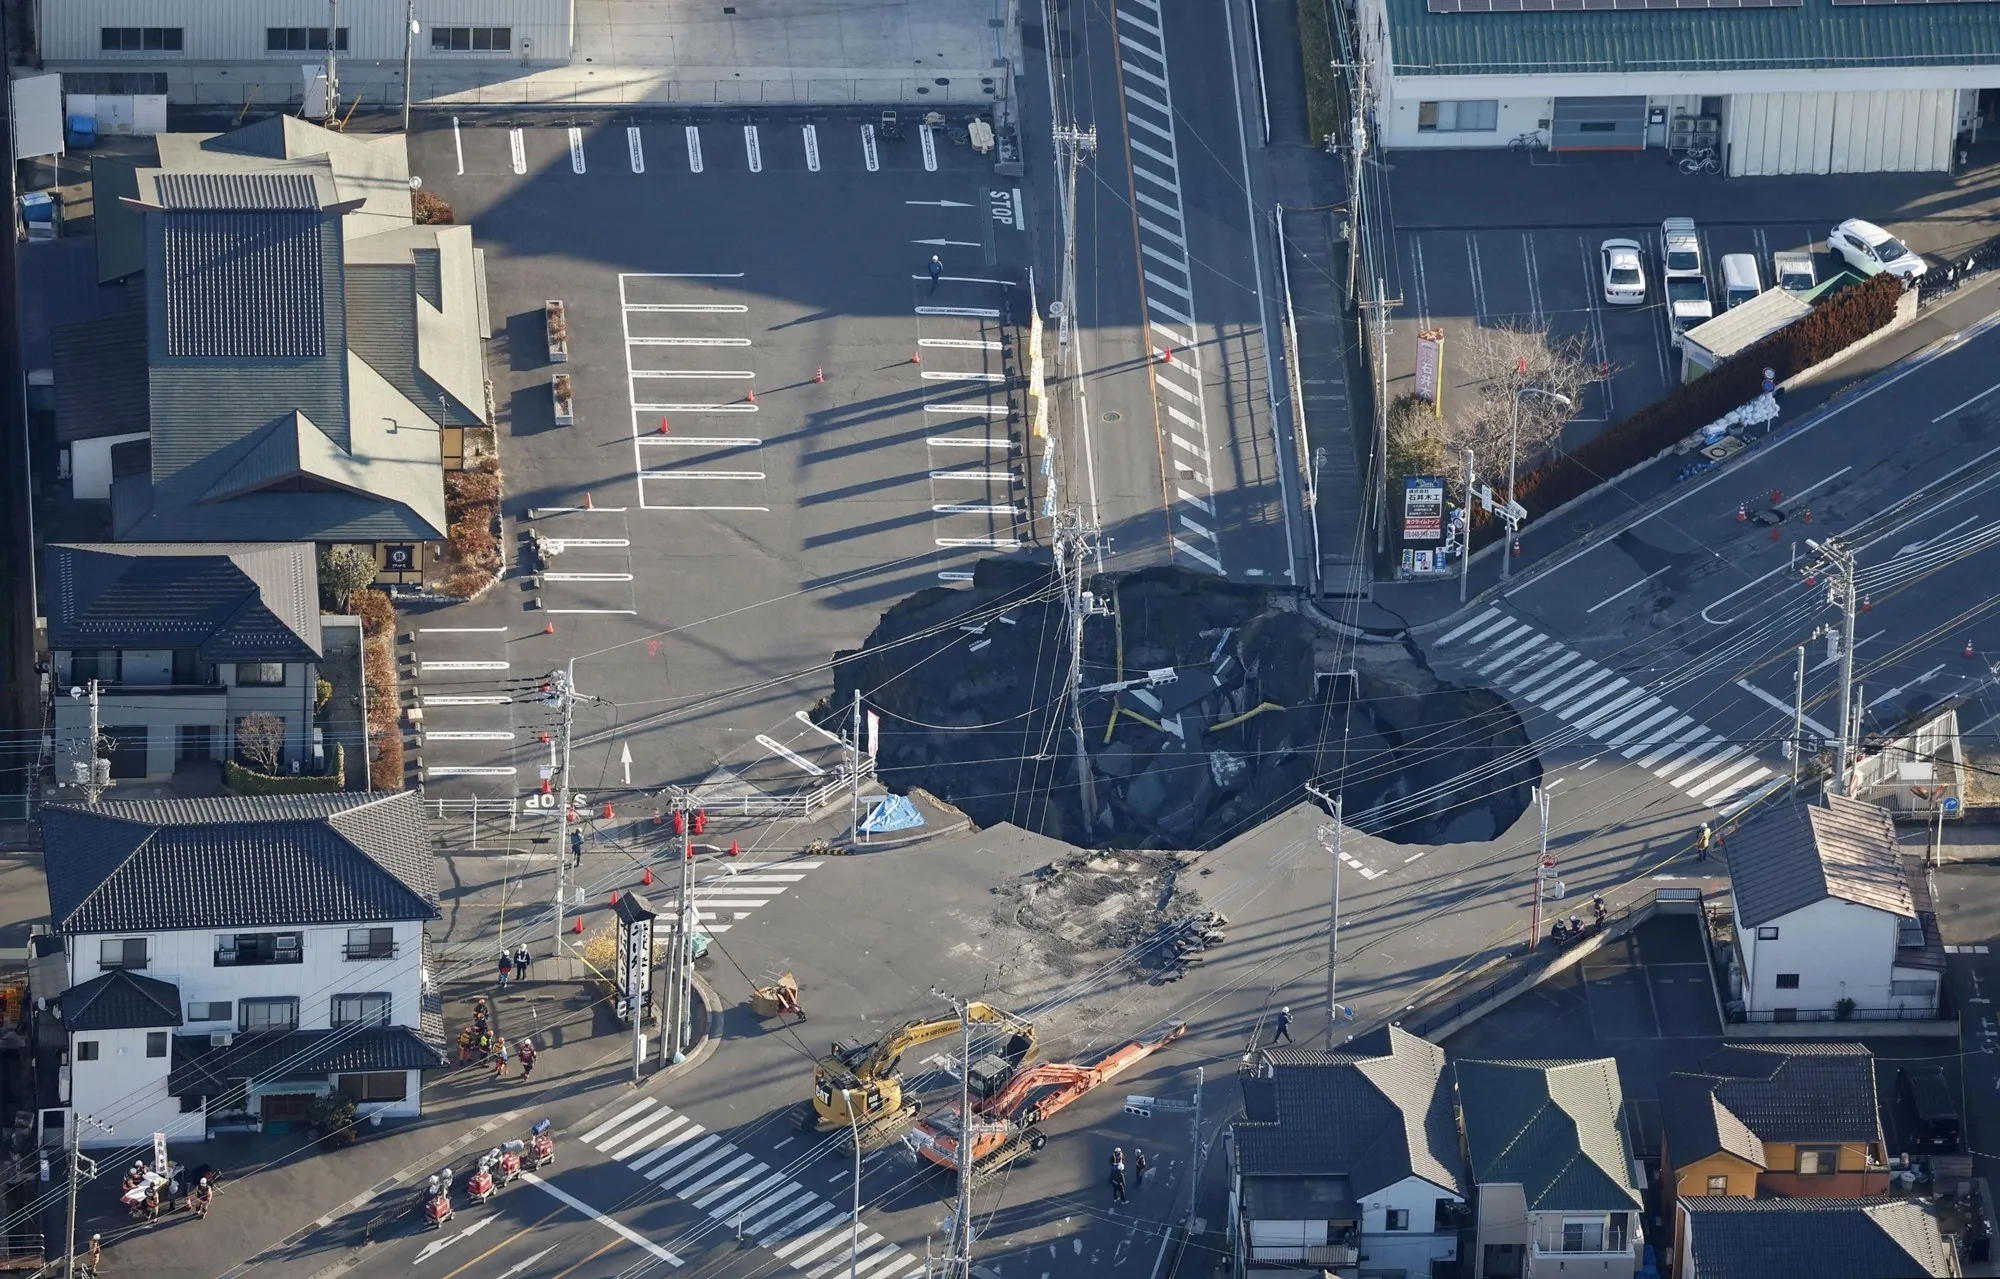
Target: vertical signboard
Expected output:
[1430,368]
[1424,544]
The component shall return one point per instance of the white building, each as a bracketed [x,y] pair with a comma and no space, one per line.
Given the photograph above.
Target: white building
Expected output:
[1779,86]
[1347,1161]
[1828,911]
[230,960]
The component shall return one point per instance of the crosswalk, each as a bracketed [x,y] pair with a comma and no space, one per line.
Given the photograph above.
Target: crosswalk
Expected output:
[746,1195]
[1599,703]
[717,148]
[722,900]
[1169,289]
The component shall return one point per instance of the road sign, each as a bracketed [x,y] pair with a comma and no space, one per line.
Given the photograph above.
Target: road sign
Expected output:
[1770,375]
[1951,803]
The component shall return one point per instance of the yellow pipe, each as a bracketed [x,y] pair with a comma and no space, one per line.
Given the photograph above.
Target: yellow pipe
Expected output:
[1118,619]
[1143,720]
[1252,713]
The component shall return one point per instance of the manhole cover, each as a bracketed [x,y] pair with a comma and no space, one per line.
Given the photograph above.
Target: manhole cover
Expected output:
[1582,527]
[1114,416]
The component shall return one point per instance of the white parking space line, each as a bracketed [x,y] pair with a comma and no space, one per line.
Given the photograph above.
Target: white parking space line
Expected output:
[575,149]
[694,148]
[996,543]
[635,149]
[693,374]
[517,151]
[446,770]
[687,342]
[464,699]
[466,735]
[868,153]
[649,408]
[962,344]
[464,666]
[810,133]
[702,441]
[975,410]
[930,148]
[954,442]
[967,312]
[753,149]
[461,630]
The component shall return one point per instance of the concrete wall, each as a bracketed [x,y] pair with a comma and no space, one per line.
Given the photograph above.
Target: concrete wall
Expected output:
[1547,1258]
[1411,1250]
[1503,1219]
[124,1082]
[1838,949]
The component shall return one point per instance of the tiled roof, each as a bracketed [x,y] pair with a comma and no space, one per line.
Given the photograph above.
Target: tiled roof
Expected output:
[1798,1092]
[1555,1128]
[1697,1125]
[100,371]
[121,1000]
[1375,1114]
[163,865]
[201,1068]
[1808,852]
[228,601]
[1737,1238]
[1814,35]
[242,284]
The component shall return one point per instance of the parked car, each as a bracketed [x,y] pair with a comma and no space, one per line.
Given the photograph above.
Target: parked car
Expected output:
[1688,305]
[1740,281]
[1680,249]
[1871,250]
[1927,1108]
[1624,275]
[1793,271]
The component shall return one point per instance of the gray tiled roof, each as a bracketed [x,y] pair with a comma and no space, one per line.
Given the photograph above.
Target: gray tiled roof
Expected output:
[244,285]
[1798,1092]
[1696,1124]
[101,380]
[161,865]
[1806,852]
[1375,1114]
[1555,1128]
[229,602]
[121,1000]
[1737,1238]
[201,1068]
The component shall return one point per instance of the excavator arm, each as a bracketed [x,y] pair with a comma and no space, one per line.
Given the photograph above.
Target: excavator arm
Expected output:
[891,1047]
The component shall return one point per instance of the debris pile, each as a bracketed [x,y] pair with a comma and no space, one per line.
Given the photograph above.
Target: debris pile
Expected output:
[1090,903]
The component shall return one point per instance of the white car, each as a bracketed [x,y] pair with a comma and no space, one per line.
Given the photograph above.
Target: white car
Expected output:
[1624,275]
[1871,250]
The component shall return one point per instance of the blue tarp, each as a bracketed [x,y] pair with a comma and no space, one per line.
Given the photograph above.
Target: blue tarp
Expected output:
[892,814]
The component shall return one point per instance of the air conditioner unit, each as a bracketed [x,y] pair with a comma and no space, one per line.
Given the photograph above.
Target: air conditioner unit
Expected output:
[220,1039]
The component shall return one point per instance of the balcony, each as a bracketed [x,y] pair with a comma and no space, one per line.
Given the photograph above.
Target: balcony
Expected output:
[369,950]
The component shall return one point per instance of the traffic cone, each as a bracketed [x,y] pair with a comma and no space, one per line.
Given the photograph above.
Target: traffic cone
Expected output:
[1812,579]
[663,426]
[572,814]
[680,823]
[733,850]
[690,855]
[577,928]
[1774,534]
[916,357]
[1866,604]
[1517,548]
[614,897]
[646,877]
[545,739]
[1968,648]
[750,396]
[607,812]
[819,375]
[1777,496]
[658,818]
[550,629]
[1806,514]
[1742,512]
[545,786]
[1167,356]
[588,505]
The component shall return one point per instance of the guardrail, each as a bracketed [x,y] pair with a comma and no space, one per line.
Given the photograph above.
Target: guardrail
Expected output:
[1944,277]
[798,804]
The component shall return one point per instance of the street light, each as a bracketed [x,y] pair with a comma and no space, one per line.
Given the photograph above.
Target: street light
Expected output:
[1513,452]
[854,1226]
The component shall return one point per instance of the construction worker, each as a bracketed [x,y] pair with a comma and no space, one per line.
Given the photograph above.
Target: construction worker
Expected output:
[1703,841]
[1284,1031]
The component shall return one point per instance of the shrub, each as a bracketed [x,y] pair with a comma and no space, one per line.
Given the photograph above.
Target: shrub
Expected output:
[385,771]
[472,552]
[260,738]
[430,209]
[376,611]
[1416,446]
[333,1117]
[378,670]
[322,696]
[246,781]
[343,570]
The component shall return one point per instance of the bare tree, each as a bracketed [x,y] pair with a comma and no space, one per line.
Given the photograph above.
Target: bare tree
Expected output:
[260,739]
[1497,363]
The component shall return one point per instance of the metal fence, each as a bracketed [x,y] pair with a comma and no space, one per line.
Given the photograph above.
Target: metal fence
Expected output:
[1770,1015]
[1944,277]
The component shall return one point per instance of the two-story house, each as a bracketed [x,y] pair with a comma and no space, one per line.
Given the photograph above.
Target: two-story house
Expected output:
[1798,1120]
[232,959]
[1549,1155]
[1831,921]
[1736,1238]
[184,642]
[1348,1161]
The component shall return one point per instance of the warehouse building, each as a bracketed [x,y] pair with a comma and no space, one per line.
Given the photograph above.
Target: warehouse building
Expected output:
[1777,86]
[255,53]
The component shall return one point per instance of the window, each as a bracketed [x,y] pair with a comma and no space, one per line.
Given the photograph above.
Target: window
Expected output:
[86,1050]
[238,950]
[139,39]
[1397,1219]
[121,952]
[223,1011]
[255,1015]
[376,1085]
[371,943]
[1767,934]
[100,664]
[1458,117]
[1921,988]
[1583,1234]
[1718,1184]
[472,39]
[260,674]
[301,39]
[361,1010]
[1788,981]
[156,1043]
[1819,1161]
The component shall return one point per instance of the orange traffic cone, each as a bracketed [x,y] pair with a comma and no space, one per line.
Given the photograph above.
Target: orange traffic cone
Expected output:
[545,786]
[1742,512]
[1968,648]
[607,812]
[1167,356]
[1774,535]
[646,877]
[577,928]
[614,897]
[916,357]
[819,375]
[1806,514]
[588,505]
[550,629]
[750,396]
[734,851]
[663,427]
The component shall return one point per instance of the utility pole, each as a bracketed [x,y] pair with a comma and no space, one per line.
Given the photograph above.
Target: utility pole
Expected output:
[93,785]
[1075,143]
[76,1174]
[854,770]
[1329,839]
[333,64]
[1195,1151]
[1837,562]
[562,691]
[960,1264]
[1465,538]
[1798,714]
[1072,540]
[409,49]
[684,923]
[1544,867]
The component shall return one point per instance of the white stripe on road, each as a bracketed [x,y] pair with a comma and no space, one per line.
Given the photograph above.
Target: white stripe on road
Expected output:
[810,133]
[1735,767]
[1627,591]
[694,149]
[636,1138]
[1741,804]
[785,752]
[461,630]
[753,149]
[1463,627]
[615,1227]
[454,771]
[575,149]
[709,1143]
[517,151]
[635,149]
[868,152]
[465,735]
[464,666]
[672,1139]
[1778,704]
[464,699]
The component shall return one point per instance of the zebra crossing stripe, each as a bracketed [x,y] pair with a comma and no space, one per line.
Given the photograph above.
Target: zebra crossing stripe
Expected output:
[1674,745]
[1735,766]
[669,1137]
[735,1203]
[803,1240]
[1673,771]
[1461,629]
[648,1132]
[705,1177]
[696,1148]
[770,1211]
[724,1189]
[837,1241]
[619,1118]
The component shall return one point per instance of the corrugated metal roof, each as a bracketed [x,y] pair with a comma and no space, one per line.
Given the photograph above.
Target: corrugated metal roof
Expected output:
[236,192]
[1814,36]
[244,285]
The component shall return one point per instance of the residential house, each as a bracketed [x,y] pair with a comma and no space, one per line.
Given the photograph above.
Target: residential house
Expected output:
[183,642]
[1348,1161]
[1552,1163]
[312,355]
[1736,1238]
[230,960]
[1799,1120]
[1831,921]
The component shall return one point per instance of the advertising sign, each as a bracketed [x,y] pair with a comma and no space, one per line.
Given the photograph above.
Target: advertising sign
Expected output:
[1423,508]
[1430,366]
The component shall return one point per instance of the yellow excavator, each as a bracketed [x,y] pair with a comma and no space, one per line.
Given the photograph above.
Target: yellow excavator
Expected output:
[858,1088]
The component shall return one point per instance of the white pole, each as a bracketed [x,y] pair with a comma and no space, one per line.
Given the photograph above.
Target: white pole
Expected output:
[854,1221]
[1465,547]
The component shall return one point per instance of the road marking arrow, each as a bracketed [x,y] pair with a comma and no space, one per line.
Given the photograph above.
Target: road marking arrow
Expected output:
[940,204]
[434,1248]
[519,1266]
[625,760]
[949,244]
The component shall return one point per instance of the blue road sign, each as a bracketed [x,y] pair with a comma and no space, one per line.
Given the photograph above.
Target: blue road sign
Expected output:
[1951,803]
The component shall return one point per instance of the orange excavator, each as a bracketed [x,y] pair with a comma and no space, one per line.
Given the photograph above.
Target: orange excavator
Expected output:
[1007,1120]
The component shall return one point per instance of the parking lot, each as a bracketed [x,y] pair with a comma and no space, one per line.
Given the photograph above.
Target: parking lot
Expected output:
[1533,277]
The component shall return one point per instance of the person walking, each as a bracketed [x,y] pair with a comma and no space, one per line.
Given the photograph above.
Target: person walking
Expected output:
[93,1260]
[1704,840]
[527,1055]
[937,270]
[500,1059]
[521,961]
[1284,1031]
[506,964]
[1118,1184]
[1138,1169]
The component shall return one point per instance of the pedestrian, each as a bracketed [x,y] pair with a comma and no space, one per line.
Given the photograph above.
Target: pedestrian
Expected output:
[937,270]
[94,1259]
[478,1014]
[521,960]
[1138,1169]
[1118,1184]
[506,964]
[527,1055]
[1704,840]
[500,1060]
[1284,1033]
[485,1044]
[576,848]
[465,1046]
[1118,1159]
[198,1200]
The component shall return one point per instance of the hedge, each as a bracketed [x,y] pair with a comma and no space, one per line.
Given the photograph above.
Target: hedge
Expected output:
[1837,323]
[378,668]
[245,781]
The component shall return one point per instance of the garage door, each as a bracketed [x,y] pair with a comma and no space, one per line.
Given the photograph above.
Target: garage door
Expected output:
[1598,124]
[1891,131]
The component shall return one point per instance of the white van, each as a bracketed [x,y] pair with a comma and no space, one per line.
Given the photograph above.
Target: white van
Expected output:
[1739,280]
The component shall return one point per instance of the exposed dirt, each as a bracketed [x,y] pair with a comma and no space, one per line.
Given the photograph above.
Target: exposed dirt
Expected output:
[1235,701]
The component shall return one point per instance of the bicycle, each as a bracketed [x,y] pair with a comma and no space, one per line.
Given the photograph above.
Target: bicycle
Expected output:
[1530,141]
[1701,160]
